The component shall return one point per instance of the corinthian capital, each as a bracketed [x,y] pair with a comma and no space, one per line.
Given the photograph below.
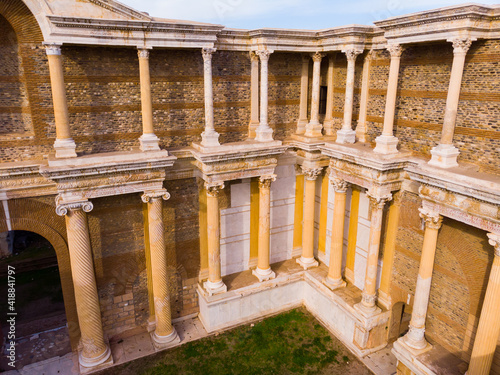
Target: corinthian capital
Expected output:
[143,53]
[52,49]
[432,219]
[494,240]
[318,56]
[395,50]
[378,201]
[214,188]
[265,181]
[311,174]
[148,196]
[339,185]
[62,209]
[461,45]
[207,53]
[254,56]
[264,54]
[351,54]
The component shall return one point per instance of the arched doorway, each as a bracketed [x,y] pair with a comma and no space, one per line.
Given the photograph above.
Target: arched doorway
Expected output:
[400,321]
[41,330]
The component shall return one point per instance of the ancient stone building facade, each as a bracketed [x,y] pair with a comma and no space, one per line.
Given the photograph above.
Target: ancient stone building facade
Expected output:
[185,168]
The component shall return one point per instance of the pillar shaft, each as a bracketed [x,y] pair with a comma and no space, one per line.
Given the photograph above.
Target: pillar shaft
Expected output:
[415,337]
[334,278]
[353,235]
[363,105]
[263,271]
[328,123]
[210,138]
[488,329]
[313,128]
[64,144]
[368,302]
[307,259]
[264,133]
[254,96]
[95,350]
[214,284]
[304,93]
[148,140]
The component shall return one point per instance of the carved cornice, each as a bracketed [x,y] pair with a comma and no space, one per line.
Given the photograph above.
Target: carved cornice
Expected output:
[63,208]
[461,45]
[214,188]
[395,50]
[151,195]
[494,240]
[265,181]
[432,219]
[311,174]
[339,185]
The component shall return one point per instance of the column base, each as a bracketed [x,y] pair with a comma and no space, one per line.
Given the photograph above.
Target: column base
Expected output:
[65,148]
[164,342]
[386,144]
[149,142]
[415,339]
[264,275]
[252,127]
[264,134]
[367,311]
[334,284]
[88,365]
[313,129]
[301,126]
[361,132]
[328,127]
[444,156]
[346,136]
[402,342]
[214,288]
[307,262]
[210,138]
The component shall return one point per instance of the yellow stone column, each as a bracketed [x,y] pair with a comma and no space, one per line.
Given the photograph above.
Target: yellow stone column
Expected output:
[353,234]
[323,215]
[387,143]
[264,133]
[263,271]
[363,102]
[313,128]
[214,284]
[334,279]
[328,123]
[299,210]
[164,334]
[254,95]
[368,306]
[307,259]
[346,134]
[148,140]
[95,351]
[445,154]
[488,329]
[415,337]
[64,144]
[304,93]
[209,137]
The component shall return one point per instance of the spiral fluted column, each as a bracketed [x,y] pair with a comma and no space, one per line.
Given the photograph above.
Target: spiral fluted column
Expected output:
[164,333]
[95,351]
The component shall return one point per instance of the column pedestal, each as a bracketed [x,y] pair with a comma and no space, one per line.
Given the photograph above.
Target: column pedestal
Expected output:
[444,156]
[386,144]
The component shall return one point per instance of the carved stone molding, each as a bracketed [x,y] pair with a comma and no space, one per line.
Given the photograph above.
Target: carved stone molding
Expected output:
[62,209]
[265,181]
[494,240]
[318,56]
[339,185]
[461,45]
[214,188]
[351,54]
[207,53]
[311,174]
[395,50]
[148,196]
[264,54]
[378,202]
[432,219]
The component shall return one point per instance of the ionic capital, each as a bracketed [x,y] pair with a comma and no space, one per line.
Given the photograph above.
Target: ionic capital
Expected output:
[150,195]
[395,50]
[207,53]
[339,185]
[214,188]
[143,53]
[265,181]
[378,201]
[494,240]
[317,56]
[351,54]
[254,56]
[62,209]
[461,45]
[432,219]
[53,49]
[264,54]
[311,174]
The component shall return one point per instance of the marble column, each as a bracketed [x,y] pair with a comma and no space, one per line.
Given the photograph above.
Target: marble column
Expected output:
[328,123]
[164,334]
[313,128]
[334,279]
[254,95]
[387,143]
[365,86]
[307,259]
[445,154]
[415,337]
[148,140]
[264,133]
[368,306]
[209,138]
[488,330]
[214,284]
[94,349]
[304,93]
[263,271]
[346,134]
[64,144]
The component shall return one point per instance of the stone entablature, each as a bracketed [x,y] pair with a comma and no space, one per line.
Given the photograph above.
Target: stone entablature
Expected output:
[23,180]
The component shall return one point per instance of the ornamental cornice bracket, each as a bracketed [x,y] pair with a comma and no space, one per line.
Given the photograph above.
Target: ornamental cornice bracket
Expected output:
[63,208]
[149,195]
[433,219]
